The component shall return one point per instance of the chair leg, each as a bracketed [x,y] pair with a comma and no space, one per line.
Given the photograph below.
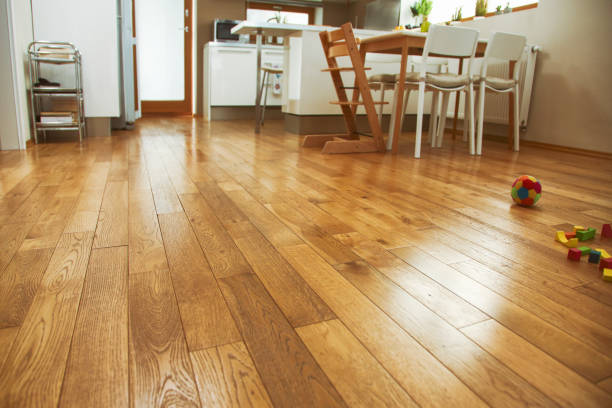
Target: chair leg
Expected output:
[392,119]
[419,124]
[406,98]
[471,118]
[263,107]
[517,118]
[481,102]
[382,99]
[464,136]
[433,118]
[442,123]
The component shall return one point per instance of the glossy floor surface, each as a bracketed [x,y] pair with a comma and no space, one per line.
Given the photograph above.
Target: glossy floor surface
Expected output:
[194,264]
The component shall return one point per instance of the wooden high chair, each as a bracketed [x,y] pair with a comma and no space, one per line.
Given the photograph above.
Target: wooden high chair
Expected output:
[339,43]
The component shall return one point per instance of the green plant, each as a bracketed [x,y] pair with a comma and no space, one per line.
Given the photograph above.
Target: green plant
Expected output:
[481,7]
[457,14]
[424,7]
[498,9]
[414,9]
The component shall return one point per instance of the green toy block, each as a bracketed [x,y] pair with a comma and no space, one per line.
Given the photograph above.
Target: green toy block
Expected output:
[585,235]
[585,250]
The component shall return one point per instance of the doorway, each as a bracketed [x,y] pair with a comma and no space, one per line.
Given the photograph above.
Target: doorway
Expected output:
[164,53]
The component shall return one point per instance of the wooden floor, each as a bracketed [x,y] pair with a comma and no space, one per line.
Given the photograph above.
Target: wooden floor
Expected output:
[193,264]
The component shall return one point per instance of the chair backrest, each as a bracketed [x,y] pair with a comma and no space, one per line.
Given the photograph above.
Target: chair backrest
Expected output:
[503,46]
[451,42]
[433,67]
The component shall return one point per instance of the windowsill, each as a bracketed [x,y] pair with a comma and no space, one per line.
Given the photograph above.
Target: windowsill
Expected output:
[514,10]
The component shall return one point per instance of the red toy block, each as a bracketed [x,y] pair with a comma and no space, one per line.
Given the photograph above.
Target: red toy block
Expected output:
[570,235]
[574,254]
[605,263]
[606,231]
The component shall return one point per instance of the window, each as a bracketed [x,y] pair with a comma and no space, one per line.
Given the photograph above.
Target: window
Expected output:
[443,10]
[263,12]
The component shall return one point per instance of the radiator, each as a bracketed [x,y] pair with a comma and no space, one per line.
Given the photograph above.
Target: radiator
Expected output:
[497,104]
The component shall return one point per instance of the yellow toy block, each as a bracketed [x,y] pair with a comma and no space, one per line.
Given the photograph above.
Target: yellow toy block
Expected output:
[604,254]
[578,228]
[560,237]
[607,274]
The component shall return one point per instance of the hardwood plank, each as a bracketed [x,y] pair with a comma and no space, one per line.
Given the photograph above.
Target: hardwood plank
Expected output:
[160,369]
[33,207]
[290,374]
[355,373]
[85,217]
[270,226]
[112,228]
[332,250]
[19,284]
[491,380]
[11,238]
[606,385]
[99,349]
[561,384]
[227,377]
[224,257]
[146,249]
[295,298]
[33,372]
[7,335]
[224,208]
[51,224]
[206,319]
[436,297]
[424,378]
[592,334]
[565,348]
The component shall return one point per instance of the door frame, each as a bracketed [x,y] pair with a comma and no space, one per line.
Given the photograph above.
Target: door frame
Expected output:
[183,107]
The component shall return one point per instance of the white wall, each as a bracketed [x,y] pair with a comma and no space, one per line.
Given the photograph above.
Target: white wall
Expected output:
[572,95]
[92,26]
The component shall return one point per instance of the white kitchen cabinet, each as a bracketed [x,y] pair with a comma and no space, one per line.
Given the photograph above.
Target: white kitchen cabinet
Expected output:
[230,74]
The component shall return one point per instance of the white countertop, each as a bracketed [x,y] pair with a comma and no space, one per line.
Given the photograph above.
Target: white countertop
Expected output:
[236,44]
[281,30]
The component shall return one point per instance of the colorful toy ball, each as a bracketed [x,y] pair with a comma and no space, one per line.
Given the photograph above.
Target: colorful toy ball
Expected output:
[526,191]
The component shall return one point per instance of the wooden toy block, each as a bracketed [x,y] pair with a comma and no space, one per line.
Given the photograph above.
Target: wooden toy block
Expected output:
[607,275]
[586,234]
[585,250]
[604,254]
[594,256]
[606,231]
[560,237]
[570,235]
[574,254]
[605,263]
[578,228]
[572,243]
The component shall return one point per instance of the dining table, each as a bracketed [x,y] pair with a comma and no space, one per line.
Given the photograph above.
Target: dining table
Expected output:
[405,43]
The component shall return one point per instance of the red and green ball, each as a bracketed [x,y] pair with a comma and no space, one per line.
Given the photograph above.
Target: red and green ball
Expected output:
[526,190]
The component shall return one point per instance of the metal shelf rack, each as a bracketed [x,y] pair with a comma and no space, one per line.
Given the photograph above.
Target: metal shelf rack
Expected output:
[56,53]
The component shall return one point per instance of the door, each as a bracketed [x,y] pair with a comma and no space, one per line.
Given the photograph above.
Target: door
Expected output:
[163,30]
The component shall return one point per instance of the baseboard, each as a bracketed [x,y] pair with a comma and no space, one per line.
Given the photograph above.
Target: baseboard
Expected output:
[573,150]
[243,112]
[320,124]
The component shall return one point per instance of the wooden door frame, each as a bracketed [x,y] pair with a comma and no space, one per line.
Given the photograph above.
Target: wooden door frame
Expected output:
[183,107]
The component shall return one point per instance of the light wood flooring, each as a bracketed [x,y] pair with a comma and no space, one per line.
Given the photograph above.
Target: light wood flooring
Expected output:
[193,264]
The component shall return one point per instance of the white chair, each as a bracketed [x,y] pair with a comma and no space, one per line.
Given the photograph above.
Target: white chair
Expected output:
[412,84]
[458,42]
[501,47]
